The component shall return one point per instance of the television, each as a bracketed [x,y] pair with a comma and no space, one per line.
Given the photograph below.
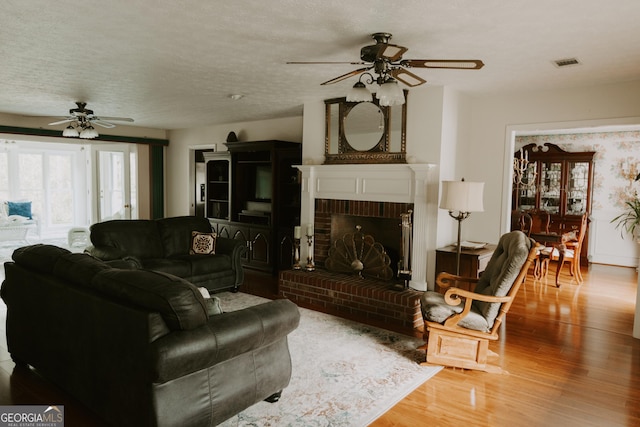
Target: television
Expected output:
[263,183]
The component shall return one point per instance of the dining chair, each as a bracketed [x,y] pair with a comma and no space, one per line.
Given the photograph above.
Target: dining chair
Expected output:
[571,242]
[540,222]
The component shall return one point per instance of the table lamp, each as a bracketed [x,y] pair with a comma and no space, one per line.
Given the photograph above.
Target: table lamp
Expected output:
[462,197]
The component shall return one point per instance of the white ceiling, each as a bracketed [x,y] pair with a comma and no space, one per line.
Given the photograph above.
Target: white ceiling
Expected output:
[173,63]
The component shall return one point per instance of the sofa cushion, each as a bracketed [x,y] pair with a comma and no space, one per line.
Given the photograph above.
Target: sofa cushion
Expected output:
[206,264]
[177,267]
[78,269]
[39,257]
[435,309]
[175,233]
[179,302]
[133,237]
[202,243]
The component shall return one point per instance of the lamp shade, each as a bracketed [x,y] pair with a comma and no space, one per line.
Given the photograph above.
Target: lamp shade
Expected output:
[70,132]
[89,133]
[462,196]
[390,94]
[359,93]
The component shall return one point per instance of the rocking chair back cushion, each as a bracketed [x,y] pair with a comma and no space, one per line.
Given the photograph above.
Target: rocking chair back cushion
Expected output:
[503,269]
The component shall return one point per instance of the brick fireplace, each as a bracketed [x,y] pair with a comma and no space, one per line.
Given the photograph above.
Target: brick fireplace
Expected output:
[372,191]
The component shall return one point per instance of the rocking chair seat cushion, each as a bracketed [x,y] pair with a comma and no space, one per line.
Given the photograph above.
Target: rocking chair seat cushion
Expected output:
[435,309]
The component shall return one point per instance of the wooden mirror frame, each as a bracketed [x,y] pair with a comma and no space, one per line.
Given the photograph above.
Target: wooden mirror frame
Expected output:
[380,153]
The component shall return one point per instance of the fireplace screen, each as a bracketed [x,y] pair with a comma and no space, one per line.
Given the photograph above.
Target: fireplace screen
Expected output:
[357,253]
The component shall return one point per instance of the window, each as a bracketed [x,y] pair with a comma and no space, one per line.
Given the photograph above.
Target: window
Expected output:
[50,175]
[4,175]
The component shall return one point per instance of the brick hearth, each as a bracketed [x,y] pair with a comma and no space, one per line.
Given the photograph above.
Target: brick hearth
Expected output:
[366,300]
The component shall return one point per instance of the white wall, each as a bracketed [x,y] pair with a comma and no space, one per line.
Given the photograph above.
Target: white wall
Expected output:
[178,161]
[492,115]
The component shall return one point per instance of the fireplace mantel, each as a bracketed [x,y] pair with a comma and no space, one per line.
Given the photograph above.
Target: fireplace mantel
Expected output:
[401,183]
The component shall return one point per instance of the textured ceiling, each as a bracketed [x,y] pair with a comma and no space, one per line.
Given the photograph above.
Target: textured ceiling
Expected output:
[173,64]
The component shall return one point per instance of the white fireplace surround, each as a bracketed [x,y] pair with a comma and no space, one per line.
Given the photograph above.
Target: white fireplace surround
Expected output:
[399,183]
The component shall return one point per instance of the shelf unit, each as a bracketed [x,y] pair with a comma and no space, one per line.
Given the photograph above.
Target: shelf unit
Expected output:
[263,199]
[218,185]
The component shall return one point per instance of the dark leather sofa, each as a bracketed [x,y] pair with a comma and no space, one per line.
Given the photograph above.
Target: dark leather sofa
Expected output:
[163,245]
[139,347]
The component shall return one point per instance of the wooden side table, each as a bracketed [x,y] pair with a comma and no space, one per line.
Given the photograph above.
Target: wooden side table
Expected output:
[472,261]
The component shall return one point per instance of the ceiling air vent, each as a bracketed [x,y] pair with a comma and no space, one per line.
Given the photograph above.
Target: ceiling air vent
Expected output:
[566,62]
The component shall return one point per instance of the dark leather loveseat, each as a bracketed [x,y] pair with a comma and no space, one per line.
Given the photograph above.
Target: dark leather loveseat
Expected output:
[164,245]
[139,347]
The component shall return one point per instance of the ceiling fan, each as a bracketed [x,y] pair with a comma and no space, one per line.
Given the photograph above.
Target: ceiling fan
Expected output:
[385,60]
[81,120]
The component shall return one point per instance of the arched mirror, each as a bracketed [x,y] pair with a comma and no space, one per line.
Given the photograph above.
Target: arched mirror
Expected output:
[364,132]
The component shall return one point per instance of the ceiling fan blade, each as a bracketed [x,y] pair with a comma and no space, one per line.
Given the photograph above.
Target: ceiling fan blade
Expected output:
[116,119]
[326,62]
[384,51]
[103,124]
[457,64]
[392,52]
[346,76]
[67,120]
[407,77]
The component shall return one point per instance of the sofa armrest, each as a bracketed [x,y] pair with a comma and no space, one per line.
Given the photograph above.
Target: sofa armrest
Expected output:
[223,337]
[105,253]
[236,250]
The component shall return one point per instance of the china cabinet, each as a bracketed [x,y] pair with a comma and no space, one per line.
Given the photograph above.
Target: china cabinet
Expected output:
[558,182]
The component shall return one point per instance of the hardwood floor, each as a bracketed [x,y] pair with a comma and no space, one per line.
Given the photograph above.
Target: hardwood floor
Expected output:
[570,356]
[569,352]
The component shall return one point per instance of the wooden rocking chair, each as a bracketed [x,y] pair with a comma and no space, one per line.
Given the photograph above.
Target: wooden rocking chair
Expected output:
[459,334]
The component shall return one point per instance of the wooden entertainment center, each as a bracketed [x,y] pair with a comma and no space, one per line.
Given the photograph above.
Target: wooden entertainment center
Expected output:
[252,193]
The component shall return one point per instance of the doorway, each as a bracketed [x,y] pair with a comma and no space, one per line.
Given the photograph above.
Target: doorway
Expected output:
[197,178]
[115,182]
[612,140]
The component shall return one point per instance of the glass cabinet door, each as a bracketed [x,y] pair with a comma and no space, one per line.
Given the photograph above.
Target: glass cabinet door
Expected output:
[577,188]
[550,186]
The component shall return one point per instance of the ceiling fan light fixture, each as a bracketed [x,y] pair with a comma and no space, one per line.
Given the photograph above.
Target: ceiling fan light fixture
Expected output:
[89,133]
[390,93]
[70,132]
[359,93]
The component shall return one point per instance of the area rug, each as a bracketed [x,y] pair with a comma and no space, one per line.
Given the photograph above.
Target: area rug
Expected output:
[344,373]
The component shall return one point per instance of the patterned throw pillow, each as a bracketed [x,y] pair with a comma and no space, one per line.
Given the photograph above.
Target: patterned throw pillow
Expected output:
[202,243]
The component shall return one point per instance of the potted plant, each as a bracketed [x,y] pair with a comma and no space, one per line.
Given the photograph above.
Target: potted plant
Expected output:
[629,220]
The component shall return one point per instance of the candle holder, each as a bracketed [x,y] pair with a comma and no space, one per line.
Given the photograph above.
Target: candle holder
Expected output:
[310,266]
[296,254]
